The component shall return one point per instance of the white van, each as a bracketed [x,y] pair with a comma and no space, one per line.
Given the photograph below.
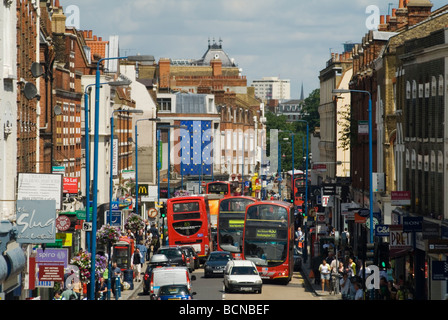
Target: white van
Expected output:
[242,275]
[169,275]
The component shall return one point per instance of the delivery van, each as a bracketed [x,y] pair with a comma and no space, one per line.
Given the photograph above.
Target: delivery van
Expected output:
[169,275]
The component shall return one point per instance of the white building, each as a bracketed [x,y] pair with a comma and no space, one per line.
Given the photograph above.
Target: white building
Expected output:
[8,108]
[272,88]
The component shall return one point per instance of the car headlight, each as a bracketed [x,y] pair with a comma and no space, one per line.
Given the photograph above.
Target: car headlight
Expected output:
[258,281]
[233,281]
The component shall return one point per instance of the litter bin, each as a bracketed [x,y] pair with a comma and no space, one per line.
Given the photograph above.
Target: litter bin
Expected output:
[128,276]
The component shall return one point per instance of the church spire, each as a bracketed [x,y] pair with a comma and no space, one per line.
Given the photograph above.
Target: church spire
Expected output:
[302,96]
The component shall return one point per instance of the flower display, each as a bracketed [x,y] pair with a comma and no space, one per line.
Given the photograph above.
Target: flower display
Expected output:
[181,193]
[134,223]
[108,234]
[84,262]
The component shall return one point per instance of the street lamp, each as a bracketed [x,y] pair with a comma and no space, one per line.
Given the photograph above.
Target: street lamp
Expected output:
[95,162]
[136,159]
[340,91]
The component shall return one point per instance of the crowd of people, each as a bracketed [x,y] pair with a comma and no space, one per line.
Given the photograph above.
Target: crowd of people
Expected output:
[345,275]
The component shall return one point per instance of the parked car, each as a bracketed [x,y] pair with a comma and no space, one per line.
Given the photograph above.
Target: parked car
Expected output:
[297,259]
[175,292]
[242,275]
[156,261]
[216,262]
[189,261]
[174,254]
[169,276]
[194,254]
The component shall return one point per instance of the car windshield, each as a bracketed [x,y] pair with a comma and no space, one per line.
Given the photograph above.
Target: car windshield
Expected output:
[173,290]
[220,256]
[170,253]
[243,271]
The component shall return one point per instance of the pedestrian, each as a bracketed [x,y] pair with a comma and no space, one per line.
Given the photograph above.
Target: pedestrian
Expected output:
[69,294]
[298,237]
[116,272]
[351,268]
[58,295]
[359,294]
[347,288]
[384,289]
[143,250]
[324,270]
[136,264]
[155,238]
[335,276]
[102,289]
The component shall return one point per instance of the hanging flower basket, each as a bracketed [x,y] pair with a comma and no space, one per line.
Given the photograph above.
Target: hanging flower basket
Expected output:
[84,262]
[181,193]
[108,235]
[134,223]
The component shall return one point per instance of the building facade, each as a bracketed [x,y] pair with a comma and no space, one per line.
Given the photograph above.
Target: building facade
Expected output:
[272,88]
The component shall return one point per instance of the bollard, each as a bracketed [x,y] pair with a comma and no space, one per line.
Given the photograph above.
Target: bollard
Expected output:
[117,288]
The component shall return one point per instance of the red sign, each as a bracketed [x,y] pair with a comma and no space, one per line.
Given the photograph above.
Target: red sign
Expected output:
[70,185]
[63,223]
[400,198]
[51,273]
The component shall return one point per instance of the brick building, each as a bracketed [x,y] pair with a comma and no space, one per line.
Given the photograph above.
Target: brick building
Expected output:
[234,111]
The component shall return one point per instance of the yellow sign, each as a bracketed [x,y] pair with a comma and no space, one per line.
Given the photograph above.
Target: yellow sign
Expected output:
[236,223]
[67,239]
[267,233]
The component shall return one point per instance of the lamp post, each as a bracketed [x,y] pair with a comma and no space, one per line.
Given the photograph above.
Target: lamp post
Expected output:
[95,163]
[306,183]
[339,91]
[136,159]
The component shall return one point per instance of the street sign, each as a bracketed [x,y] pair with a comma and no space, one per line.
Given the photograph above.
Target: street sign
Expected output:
[87,226]
[116,218]
[152,213]
[52,256]
[329,189]
[114,205]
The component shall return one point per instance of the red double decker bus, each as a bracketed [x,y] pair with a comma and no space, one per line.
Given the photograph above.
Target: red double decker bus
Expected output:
[231,214]
[269,239]
[219,187]
[188,220]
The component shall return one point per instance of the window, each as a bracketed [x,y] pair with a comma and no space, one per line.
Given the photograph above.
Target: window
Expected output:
[164,104]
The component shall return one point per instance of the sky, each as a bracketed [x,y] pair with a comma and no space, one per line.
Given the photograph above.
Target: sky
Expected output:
[289,39]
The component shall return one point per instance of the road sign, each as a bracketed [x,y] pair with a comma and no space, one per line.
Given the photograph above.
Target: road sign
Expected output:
[87,226]
[116,218]
[152,213]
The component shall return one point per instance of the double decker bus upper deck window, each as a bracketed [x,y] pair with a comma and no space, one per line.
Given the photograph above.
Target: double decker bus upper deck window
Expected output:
[218,188]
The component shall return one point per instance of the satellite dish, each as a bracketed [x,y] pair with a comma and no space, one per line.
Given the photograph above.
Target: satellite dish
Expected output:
[57,110]
[37,69]
[30,91]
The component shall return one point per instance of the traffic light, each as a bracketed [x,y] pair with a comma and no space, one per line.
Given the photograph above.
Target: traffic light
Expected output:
[370,253]
[163,210]
[383,254]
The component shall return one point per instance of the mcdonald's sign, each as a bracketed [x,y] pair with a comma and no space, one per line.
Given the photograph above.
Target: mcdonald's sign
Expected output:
[143,189]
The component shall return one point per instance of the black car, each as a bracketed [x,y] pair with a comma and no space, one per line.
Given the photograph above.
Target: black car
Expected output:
[216,262]
[157,261]
[193,255]
[175,255]
[297,259]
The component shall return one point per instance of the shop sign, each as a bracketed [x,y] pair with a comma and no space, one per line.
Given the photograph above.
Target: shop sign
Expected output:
[438,246]
[412,224]
[400,198]
[399,240]
[63,223]
[51,273]
[36,221]
[381,230]
[70,185]
[52,257]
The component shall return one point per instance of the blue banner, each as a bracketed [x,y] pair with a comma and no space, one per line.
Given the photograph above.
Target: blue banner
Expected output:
[196,147]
